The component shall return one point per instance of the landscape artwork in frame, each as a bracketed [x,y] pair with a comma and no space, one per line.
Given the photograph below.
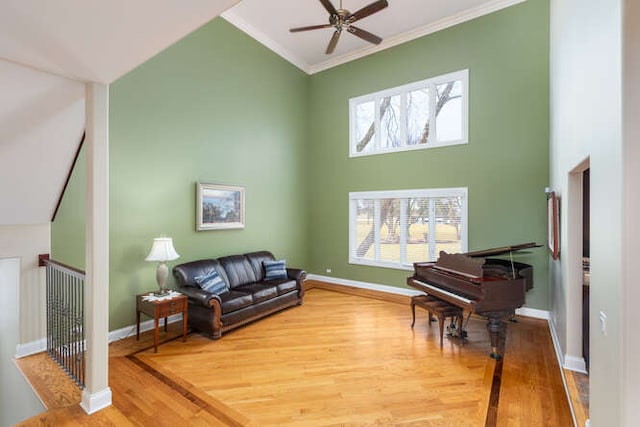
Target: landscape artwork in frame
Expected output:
[219,207]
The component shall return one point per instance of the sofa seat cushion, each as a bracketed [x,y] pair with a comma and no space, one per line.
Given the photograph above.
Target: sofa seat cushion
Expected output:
[284,285]
[260,292]
[234,300]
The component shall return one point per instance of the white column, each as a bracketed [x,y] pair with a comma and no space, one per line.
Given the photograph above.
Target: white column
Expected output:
[97,394]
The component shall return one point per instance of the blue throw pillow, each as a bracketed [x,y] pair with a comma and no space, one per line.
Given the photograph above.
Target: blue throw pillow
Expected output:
[212,282]
[275,269]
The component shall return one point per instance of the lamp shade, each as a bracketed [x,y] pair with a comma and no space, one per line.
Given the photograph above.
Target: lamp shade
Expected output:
[162,250]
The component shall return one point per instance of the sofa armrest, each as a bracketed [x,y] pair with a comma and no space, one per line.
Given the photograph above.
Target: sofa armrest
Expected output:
[200,296]
[296,274]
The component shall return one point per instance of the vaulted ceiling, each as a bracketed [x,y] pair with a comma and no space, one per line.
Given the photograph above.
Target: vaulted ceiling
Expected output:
[48,49]
[269,21]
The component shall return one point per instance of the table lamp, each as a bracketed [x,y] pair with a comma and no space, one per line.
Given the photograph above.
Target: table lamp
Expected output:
[162,251]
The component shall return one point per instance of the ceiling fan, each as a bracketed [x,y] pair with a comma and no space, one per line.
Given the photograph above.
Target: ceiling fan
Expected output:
[342,19]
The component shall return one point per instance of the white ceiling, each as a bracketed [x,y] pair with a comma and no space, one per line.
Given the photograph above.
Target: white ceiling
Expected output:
[97,40]
[269,21]
[48,48]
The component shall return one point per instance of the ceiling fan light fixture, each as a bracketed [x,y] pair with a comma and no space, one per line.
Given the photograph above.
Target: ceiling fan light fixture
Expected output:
[341,19]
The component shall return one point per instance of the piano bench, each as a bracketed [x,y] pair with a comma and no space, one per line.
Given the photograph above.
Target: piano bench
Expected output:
[440,308]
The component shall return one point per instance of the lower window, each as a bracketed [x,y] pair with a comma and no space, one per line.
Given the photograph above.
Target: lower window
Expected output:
[394,229]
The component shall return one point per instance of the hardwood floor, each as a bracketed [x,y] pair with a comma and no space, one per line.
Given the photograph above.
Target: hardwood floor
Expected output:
[339,359]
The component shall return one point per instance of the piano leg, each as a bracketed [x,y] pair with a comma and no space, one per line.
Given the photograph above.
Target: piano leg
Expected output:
[497,332]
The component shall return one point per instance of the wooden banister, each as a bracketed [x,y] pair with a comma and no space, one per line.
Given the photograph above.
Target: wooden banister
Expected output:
[66,183]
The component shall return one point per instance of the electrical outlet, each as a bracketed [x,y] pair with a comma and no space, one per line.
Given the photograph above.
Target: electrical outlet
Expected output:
[329,270]
[603,323]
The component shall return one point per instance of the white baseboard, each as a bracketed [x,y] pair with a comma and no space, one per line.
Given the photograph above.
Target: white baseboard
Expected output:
[33,347]
[94,402]
[573,363]
[147,325]
[38,346]
[364,285]
[533,312]
[523,311]
[561,364]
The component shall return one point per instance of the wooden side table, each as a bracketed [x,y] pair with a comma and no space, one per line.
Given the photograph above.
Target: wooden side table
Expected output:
[162,308]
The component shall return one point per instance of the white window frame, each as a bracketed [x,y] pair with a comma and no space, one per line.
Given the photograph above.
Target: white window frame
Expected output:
[400,194]
[432,142]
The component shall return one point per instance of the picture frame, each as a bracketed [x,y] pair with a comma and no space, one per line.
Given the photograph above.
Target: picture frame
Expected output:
[553,221]
[219,207]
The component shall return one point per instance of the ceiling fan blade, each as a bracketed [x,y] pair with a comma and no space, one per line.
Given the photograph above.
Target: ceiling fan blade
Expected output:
[310,27]
[333,42]
[367,10]
[327,5]
[365,35]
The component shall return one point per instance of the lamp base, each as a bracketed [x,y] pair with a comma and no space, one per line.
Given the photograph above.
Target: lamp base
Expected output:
[162,293]
[161,278]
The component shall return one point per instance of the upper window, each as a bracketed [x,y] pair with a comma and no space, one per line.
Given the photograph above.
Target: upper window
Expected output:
[397,228]
[425,114]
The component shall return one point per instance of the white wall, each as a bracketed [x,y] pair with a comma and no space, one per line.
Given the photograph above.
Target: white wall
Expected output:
[586,122]
[17,399]
[27,242]
[41,124]
[631,204]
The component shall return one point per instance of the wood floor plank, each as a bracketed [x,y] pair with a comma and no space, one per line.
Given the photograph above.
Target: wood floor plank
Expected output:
[339,359]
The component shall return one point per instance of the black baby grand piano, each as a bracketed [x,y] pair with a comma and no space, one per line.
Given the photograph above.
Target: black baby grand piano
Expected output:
[490,287]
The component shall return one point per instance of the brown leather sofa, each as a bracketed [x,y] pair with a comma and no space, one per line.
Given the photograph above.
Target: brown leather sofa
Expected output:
[249,296]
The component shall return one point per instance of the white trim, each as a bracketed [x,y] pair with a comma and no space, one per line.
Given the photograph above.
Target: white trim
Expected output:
[38,346]
[556,346]
[430,193]
[364,285]
[433,141]
[534,312]
[33,347]
[431,28]
[148,325]
[231,17]
[573,363]
[92,403]
[459,18]
[523,311]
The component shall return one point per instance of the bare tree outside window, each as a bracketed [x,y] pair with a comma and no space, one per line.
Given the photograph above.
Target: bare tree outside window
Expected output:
[404,229]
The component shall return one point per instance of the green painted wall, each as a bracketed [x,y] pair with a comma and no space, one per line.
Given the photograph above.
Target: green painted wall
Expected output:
[219,107]
[504,166]
[215,107]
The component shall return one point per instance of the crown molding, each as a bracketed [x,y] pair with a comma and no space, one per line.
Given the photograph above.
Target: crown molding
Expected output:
[425,30]
[459,18]
[261,37]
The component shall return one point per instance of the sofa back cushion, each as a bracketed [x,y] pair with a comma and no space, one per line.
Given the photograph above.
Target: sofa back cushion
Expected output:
[256,260]
[238,269]
[187,273]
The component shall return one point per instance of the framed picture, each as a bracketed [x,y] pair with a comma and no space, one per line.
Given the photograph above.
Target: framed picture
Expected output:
[553,221]
[219,207]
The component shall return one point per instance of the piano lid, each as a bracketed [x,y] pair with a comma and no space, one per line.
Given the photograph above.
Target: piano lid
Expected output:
[502,250]
[461,264]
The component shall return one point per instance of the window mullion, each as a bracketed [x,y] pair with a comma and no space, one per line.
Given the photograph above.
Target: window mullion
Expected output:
[403,118]
[432,229]
[433,102]
[376,127]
